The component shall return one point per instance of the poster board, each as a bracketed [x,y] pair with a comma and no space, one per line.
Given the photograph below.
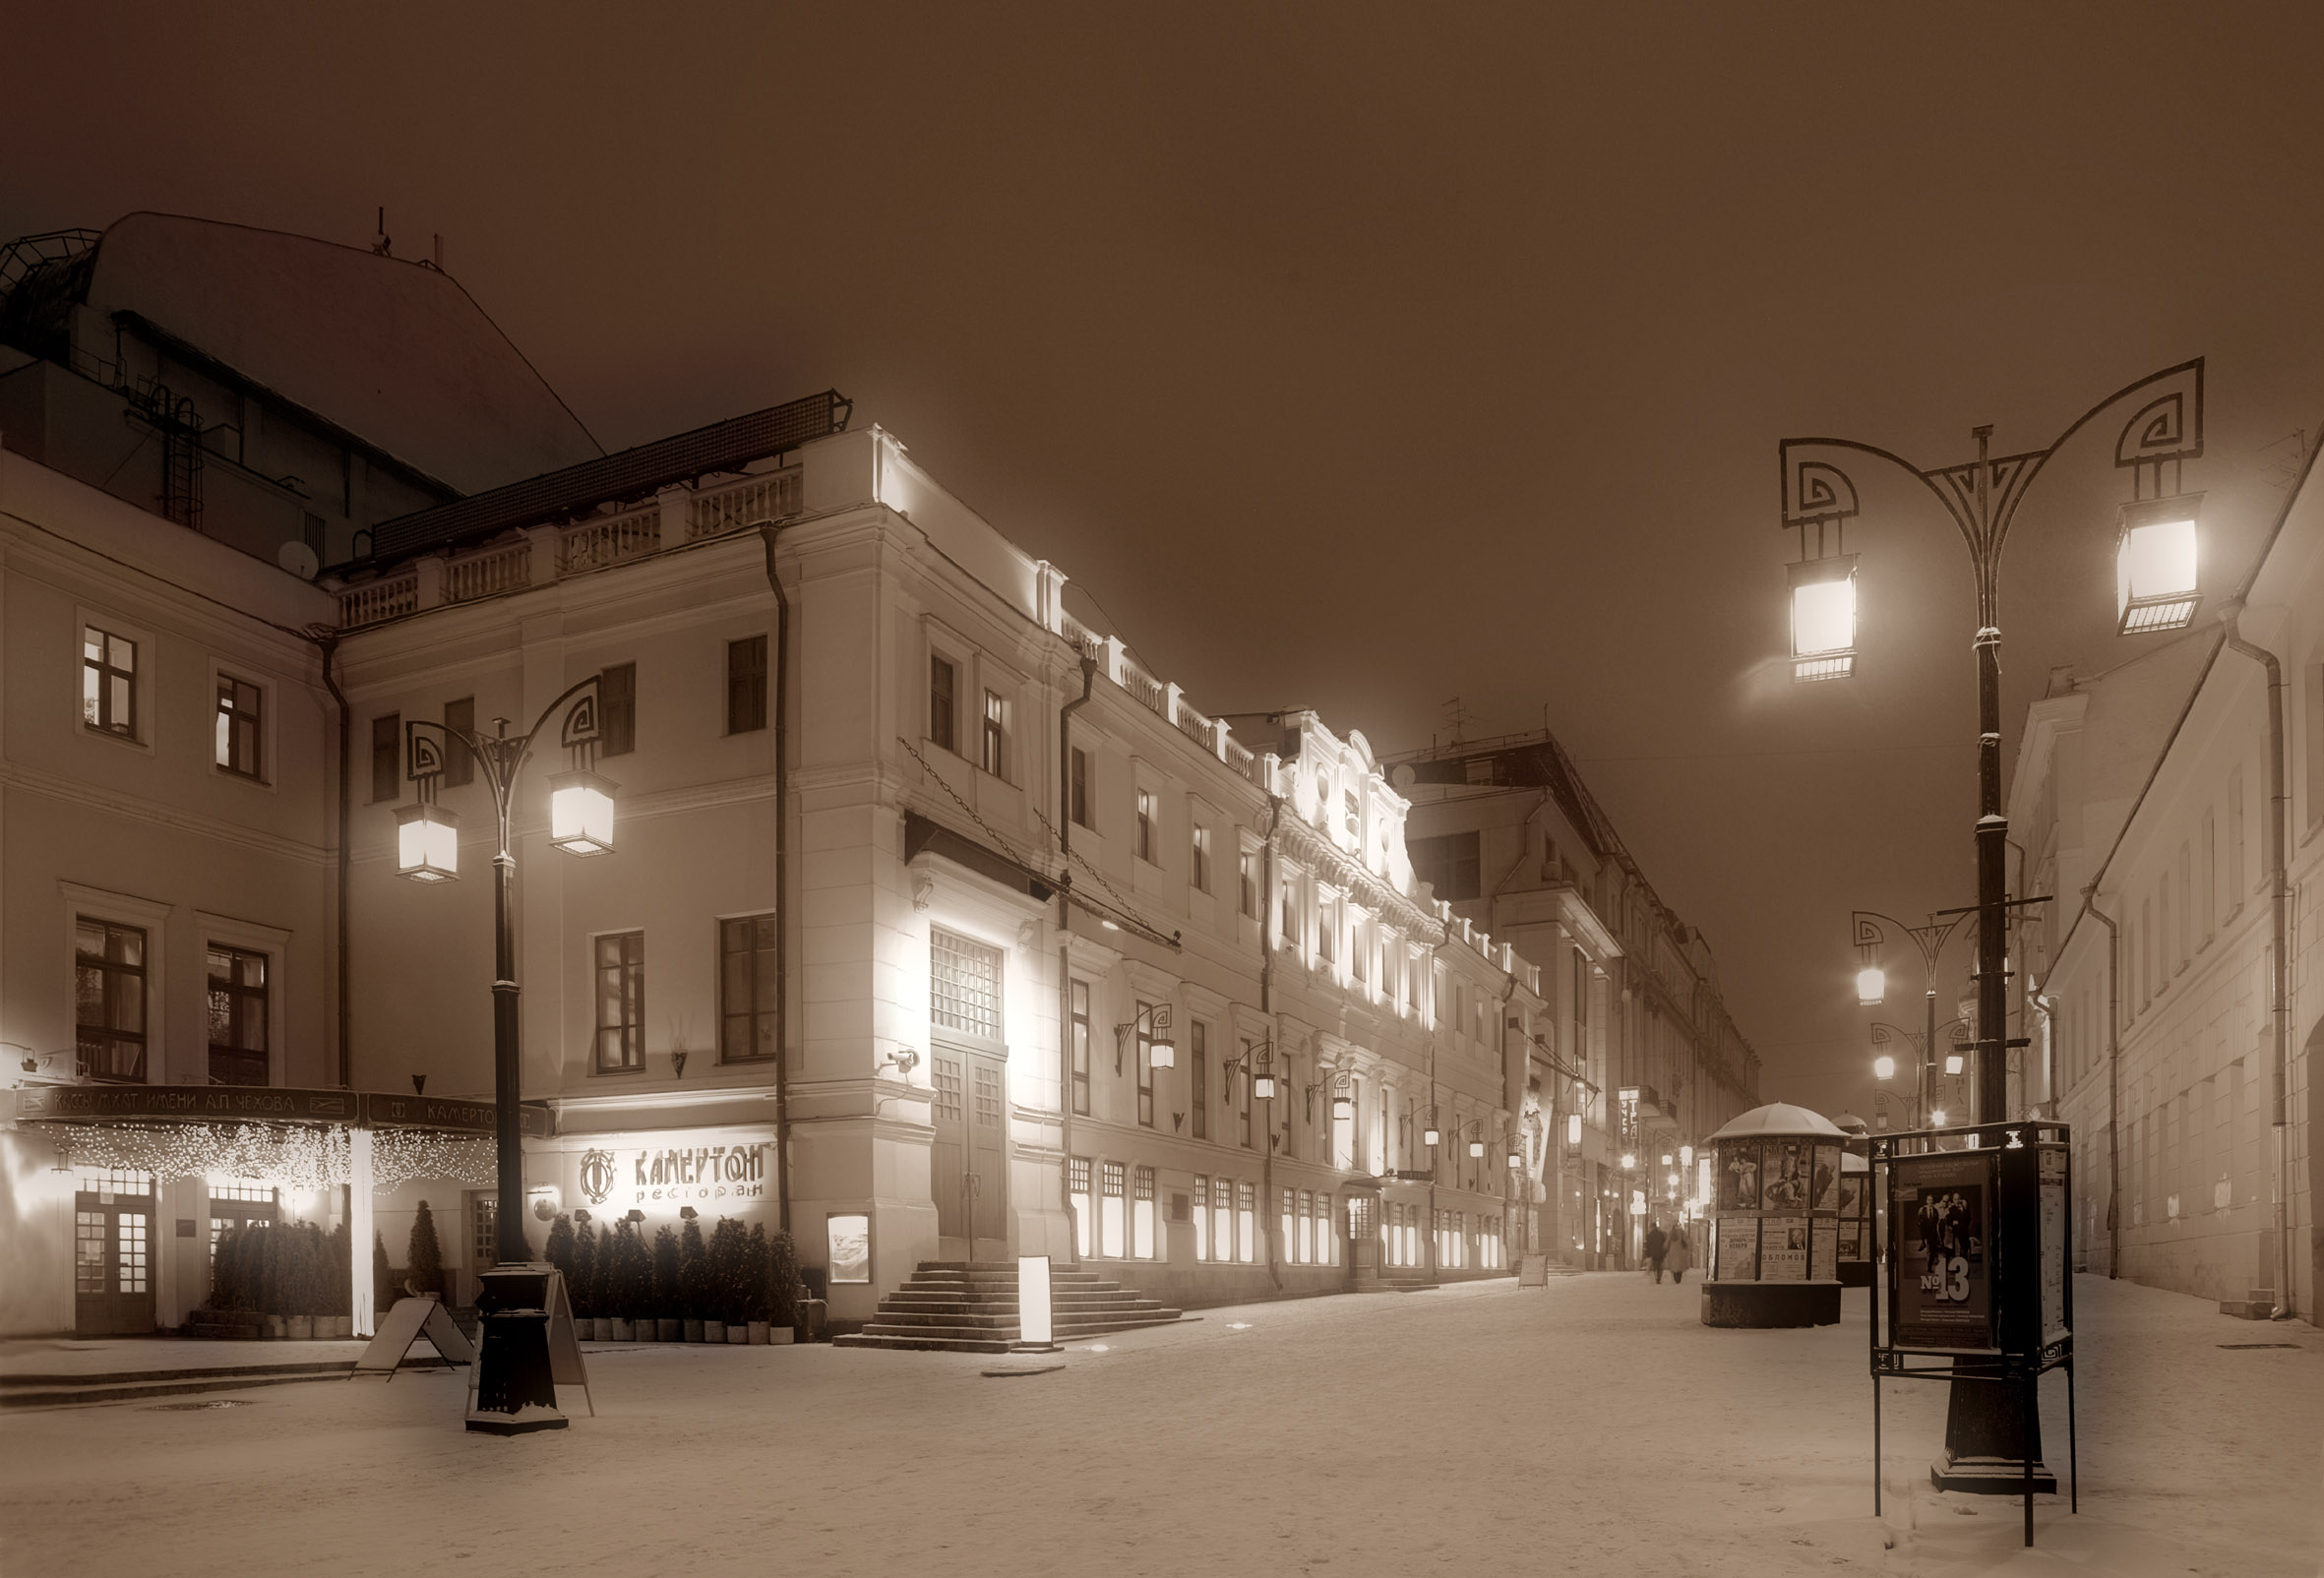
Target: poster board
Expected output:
[1940,1250]
[1739,1249]
[2057,1209]
[407,1323]
[1783,1247]
[1824,1247]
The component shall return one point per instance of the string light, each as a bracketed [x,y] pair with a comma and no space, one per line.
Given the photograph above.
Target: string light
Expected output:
[292,1157]
[400,1155]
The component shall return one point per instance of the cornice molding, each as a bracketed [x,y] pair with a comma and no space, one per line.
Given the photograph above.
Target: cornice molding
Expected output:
[16,776]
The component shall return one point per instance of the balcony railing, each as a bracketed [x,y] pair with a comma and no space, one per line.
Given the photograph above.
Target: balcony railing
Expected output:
[594,544]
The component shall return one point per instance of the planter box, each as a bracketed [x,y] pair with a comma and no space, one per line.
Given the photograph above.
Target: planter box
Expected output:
[737,1334]
[665,1331]
[299,1328]
[780,1336]
[275,1326]
[757,1331]
[690,1331]
[623,1330]
[713,1331]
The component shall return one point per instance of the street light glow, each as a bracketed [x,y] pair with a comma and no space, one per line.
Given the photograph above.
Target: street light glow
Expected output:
[2154,566]
[581,813]
[1573,1129]
[1883,1067]
[1936,1118]
[1164,1055]
[1630,1158]
[1871,985]
[427,843]
[1952,1062]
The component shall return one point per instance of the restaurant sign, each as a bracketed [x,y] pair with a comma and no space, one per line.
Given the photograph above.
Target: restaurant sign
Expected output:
[674,1175]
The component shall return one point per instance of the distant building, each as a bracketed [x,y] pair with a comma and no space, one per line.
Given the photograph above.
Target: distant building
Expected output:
[2158,1022]
[1506,830]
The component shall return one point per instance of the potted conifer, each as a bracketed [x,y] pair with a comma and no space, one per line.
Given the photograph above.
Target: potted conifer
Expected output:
[383,1275]
[693,1276]
[298,1280]
[782,1287]
[423,1257]
[724,1280]
[585,1276]
[342,1282]
[665,1284]
[269,1280]
[620,1294]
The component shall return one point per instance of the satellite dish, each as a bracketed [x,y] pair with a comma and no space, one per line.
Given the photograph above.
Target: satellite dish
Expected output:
[1402,775]
[298,559]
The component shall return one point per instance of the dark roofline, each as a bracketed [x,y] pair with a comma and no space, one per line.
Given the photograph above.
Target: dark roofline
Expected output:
[726,446]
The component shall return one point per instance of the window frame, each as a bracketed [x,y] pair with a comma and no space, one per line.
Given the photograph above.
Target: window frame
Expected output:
[746,684]
[1077,798]
[225,688]
[240,995]
[944,700]
[138,677]
[1199,858]
[617,710]
[108,970]
[1247,884]
[1198,1078]
[1148,823]
[757,1012]
[992,744]
[459,763]
[630,969]
[387,749]
[1144,1036]
[1078,1066]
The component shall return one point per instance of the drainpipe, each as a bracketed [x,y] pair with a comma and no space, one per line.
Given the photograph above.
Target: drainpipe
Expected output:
[1065,946]
[782,908]
[1266,1008]
[2279,926]
[328,642]
[2114,1080]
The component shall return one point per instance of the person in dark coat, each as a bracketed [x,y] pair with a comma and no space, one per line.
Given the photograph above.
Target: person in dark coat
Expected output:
[1656,1241]
[1677,1252]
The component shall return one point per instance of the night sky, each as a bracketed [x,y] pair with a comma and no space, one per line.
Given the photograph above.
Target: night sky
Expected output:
[1366,357]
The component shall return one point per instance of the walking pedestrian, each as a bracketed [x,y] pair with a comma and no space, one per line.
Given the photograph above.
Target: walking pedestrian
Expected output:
[1677,1253]
[1656,1241]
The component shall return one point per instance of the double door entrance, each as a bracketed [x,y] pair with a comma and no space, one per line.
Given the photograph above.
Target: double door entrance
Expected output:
[113,1258]
[969,1162]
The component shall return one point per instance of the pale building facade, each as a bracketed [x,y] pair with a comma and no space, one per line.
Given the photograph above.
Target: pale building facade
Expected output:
[2157,1024]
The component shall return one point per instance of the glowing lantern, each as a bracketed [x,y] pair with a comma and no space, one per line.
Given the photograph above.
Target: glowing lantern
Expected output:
[2155,570]
[427,843]
[1823,618]
[1871,985]
[1885,1068]
[581,813]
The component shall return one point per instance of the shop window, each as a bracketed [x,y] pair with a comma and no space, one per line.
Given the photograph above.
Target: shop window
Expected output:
[1081,1047]
[1201,1216]
[1246,1222]
[238,992]
[1078,1191]
[108,682]
[1223,1220]
[1110,1211]
[1283,1221]
[1306,1225]
[1326,1241]
[1141,1214]
[746,685]
[963,984]
[110,998]
[620,969]
[241,719]
[749,955]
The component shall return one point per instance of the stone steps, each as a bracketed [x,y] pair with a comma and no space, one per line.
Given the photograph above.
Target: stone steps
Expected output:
[2257,1304]
[971,1308]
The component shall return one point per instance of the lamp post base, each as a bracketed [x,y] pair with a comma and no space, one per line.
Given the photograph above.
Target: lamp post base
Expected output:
[1988,1436]
[515,1387]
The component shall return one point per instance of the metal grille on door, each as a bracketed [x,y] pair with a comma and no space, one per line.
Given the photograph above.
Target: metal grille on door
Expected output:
[946,1076]
[988,1095]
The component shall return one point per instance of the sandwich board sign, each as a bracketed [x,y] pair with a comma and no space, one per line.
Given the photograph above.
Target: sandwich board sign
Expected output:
[408,1321]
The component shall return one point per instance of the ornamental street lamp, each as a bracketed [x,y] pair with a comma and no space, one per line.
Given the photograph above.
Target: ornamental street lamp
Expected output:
[515,1391]
[1153,1018]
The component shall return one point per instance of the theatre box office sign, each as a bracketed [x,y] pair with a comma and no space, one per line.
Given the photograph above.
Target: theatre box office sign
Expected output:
[718,1172]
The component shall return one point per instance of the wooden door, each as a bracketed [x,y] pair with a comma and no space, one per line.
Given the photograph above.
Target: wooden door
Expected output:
[947,1177]
[112,1264]
[988,1149]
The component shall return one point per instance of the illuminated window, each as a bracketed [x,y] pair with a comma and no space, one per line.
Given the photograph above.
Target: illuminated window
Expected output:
[1141,1214]
[1246,884]
[1198,1080]
[1246,1222]
[1082,1045]
[994,738]
[1327,1240]
[108,682]
[1077,1189]
[1199,857]
[1110,1214]
[240,719]
[621,1002]
[963,984]
[238,1016]
[110,998]
[1307,1227]
[939,701]
[1201,1210]
[1147,815]
[1283,1222]
[1223,1220]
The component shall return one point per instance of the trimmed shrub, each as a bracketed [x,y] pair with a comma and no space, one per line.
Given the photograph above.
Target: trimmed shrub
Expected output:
[730,1272]
[424,1258]
[558,1252]
[584,1272]
[341,1280]
[783,1291]
[665,1272]
[383,1275]
[693,1272]
[636,1261]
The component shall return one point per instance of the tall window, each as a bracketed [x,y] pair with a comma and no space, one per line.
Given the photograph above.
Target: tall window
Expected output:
[1078,798]
[1326,928]
[483,1228]
[1201,1217]
[1283,1221]
[746,685]
[2186,900]
[387,757]
[109,682]
[1081,1047]
[1448,863]
[459,763]
[1110,1211]
[749,955]
[939,703]
[1290,927]
[995,736]
[1145,1065]
[963,984]
[1198,1073]
[2235,898]
[1199,859]
[1141,1214]
[617,710]
[1223,1220]
[621,1002]
[1307,1227]
[1146,825]
[2210,873]
[240,706]
[110,998]
[1242,1092]
[1077,1190]
[1246,1222]
[1246,884]
[238,1016]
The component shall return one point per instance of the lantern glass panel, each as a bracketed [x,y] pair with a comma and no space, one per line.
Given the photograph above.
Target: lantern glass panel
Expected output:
[1824,617]
[1871,985]
[1162,1054]
[427,843]
[581,813]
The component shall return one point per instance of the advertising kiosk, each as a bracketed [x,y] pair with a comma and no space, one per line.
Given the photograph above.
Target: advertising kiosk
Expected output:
[1775,1220]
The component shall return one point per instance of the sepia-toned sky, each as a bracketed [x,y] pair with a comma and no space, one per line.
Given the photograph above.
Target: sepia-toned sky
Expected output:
[1364,357]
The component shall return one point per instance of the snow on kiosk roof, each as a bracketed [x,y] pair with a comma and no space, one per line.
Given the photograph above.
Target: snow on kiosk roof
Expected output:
[394,349]
[1783,1119]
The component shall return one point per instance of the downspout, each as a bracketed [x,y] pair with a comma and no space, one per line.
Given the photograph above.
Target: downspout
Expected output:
[329,642]
[1266,1008]
[1064,941]
[2114,1080]
[1512,1092]
[782,884]
[2279,926]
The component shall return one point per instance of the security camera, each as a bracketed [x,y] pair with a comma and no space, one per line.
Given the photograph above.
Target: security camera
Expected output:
[906,1060]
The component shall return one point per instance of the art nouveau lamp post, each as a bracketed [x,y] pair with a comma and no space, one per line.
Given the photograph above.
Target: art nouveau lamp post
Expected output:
[2156,589]
[515,1391]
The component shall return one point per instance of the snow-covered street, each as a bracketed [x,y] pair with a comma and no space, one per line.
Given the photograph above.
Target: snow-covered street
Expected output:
[1591,1427]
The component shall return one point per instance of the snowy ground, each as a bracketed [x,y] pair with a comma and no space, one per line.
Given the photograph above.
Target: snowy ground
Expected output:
[1592,1426]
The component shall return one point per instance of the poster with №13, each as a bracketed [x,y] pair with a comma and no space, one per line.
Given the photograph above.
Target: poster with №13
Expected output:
[1940,1257]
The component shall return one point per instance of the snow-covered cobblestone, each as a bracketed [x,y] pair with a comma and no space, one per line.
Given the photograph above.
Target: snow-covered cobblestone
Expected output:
[1590,1427]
